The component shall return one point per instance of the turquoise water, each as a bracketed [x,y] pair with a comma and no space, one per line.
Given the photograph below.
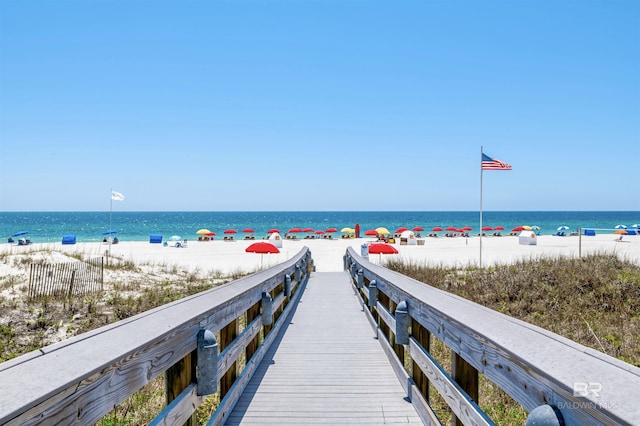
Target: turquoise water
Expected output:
[137,226]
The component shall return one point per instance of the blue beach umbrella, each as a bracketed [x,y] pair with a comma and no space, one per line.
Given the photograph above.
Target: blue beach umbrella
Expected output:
[17,234]
[110,231]
[621,226]
[563,228]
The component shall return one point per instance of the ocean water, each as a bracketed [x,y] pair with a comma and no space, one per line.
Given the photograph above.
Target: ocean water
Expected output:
[137,226]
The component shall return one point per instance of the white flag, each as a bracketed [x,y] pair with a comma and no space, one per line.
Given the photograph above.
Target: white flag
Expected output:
[117,196]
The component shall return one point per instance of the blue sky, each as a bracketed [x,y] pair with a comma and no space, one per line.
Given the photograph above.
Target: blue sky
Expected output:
[319,105]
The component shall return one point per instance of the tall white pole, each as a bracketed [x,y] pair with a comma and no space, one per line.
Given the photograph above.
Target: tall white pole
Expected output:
[481,206]
[110,213]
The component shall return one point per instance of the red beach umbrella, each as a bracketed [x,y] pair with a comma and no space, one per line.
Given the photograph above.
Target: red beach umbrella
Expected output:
[452,229]
[487,228]
[499,228]
[437,229]
[330,230]
[210,234]
[466,228]
[307,230]
[295,230]
[518,229]
[418,228]
[262,247]
[273,231]
[248,231]
[381,248]
[319,232]
[230,231]
[371,233]
[401,230]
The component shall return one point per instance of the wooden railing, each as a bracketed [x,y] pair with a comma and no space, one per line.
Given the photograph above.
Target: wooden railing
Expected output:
[196,343]
[555,379]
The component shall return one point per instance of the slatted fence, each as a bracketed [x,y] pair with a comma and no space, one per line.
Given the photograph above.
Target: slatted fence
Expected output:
[65,280]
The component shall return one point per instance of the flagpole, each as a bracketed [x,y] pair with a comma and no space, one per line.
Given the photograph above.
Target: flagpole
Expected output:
[481,206]
[110,213]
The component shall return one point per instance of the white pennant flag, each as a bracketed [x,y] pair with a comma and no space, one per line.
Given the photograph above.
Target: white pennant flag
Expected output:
[116,196]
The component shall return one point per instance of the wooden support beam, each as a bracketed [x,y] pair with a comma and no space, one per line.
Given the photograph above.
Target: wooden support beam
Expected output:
[467,377]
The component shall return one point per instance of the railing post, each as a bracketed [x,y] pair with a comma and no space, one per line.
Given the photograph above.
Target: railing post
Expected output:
[467,377]
[267,309]
[298,274]
[207,363]
[360,278]
[344,262]
[402,323]
[373,294]
[287,285]
[545,415]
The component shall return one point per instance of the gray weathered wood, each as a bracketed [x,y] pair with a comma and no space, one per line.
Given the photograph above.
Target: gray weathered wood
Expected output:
[80,379]
[326,367]
[531,364]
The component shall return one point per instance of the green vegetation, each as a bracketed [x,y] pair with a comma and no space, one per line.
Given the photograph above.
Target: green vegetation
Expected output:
[130,289]
[594,301]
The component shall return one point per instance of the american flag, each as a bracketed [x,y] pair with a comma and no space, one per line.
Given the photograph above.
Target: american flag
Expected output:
[489,163]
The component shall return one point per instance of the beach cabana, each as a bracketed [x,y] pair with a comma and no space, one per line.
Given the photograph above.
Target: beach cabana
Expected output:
[527,238]
[155,239]
[68,239]
[275,239]
[408,238]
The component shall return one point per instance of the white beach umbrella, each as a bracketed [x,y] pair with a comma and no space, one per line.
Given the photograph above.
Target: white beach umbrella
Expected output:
[621,226]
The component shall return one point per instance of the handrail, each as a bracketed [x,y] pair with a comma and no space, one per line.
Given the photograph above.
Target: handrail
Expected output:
[80,380]
[547,374]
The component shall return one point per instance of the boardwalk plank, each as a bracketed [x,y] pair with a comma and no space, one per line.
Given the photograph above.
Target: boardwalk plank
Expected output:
[326,368]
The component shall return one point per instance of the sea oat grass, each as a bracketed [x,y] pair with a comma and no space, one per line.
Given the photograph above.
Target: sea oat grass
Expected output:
[593,300]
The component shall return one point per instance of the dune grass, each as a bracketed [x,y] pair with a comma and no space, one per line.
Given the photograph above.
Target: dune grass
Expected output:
[593,300]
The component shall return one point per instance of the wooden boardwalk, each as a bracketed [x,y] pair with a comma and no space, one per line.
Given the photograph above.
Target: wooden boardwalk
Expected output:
[326,367]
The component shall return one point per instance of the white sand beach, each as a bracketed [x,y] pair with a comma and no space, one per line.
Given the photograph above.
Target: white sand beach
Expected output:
[230,256]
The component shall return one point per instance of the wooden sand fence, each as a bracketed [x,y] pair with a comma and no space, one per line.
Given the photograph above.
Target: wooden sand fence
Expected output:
[66,280]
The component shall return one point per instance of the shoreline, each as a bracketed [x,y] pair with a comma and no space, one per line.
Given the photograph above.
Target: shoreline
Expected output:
[228,257]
